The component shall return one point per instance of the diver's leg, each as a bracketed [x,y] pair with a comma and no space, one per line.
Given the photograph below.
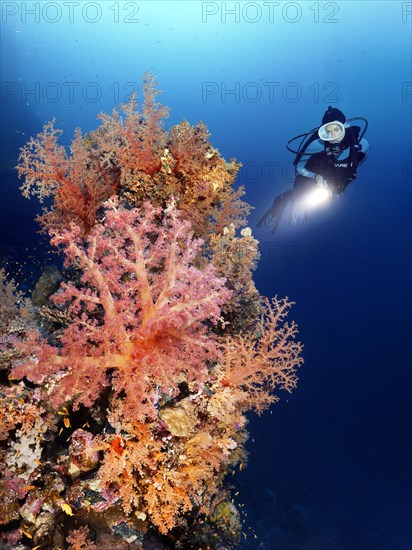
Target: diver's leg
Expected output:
[272,217]
[298,211]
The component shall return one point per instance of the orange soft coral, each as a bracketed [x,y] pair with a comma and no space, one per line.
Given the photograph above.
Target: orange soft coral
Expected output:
[256,366]
[163,478]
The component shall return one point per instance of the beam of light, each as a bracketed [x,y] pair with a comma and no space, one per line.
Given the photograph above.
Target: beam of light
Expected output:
[317,197]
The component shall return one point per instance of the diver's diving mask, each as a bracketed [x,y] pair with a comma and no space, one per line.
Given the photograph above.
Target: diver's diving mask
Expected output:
[333,131]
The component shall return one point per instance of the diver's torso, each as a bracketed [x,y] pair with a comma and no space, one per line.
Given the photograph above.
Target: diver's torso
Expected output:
[334,162]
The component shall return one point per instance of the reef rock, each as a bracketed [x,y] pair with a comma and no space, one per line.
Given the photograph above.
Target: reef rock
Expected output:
[180,418]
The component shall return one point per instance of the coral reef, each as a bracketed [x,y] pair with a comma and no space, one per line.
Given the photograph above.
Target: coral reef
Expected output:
[236,258]
[126,381]
[15,319]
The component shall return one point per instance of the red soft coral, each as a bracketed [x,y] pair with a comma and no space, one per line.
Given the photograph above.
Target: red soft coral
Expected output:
[139,314]
[77,183]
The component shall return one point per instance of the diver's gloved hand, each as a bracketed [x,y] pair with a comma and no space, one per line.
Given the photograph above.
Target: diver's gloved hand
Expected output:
[320,182]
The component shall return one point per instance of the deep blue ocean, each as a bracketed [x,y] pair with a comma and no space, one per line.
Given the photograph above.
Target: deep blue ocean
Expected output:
[330,465]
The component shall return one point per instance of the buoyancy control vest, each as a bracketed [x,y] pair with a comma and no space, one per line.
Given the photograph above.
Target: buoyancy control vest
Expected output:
[342,169]
[337,172]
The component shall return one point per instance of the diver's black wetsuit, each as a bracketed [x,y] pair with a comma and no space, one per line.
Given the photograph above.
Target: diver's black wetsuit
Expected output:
[336,163]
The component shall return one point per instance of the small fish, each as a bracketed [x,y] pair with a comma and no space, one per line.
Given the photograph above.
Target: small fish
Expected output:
[67,509]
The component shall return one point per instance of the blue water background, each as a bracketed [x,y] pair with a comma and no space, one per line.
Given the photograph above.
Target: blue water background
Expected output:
[330,465]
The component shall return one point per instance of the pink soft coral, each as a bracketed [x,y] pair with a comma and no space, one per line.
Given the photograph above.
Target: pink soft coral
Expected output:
[139,314]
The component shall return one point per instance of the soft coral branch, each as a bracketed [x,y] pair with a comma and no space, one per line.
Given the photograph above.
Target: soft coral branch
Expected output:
[77,183]
[43,163]
[255,367]
[136,140]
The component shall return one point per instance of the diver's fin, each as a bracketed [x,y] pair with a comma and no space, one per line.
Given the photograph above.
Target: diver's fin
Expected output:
[271,218]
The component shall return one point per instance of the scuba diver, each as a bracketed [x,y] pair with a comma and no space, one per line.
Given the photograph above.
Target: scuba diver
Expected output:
[326,162]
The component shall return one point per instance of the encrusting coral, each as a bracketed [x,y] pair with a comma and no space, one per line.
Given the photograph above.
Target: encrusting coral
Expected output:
[123,424]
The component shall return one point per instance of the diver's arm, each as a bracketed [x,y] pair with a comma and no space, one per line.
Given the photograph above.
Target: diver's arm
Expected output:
[314,147]
[301,170]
